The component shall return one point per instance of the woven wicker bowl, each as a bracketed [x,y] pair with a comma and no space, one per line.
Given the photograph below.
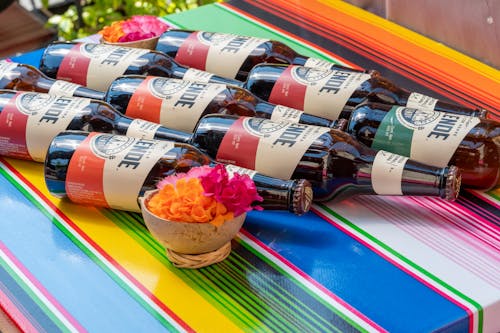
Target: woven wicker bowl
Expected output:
[189,238]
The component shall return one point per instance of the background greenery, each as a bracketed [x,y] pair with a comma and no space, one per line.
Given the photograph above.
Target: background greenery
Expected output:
[86,17]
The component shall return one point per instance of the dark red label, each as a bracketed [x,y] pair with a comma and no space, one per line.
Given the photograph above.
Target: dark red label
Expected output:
[192,52]
[74,66]
[238,147]
[13,131]
[287,91]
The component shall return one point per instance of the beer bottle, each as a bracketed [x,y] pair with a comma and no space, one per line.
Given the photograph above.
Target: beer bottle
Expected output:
[335,163]
[113,171]
[24,77]
[179,104]
[229,55]
[333,93]
[432,137]
[97,65]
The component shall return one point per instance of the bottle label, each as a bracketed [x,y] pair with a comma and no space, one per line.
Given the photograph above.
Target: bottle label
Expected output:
[97,65]
[271,148]
[319,64]
[30,121]
[219,53]
[285,113]
[63,88]
[142,129]
[387,173]
[109,170]
[318,92]
[174,103]
[6,67]
[426,136]
[232,169]
[193,74]
[419,101]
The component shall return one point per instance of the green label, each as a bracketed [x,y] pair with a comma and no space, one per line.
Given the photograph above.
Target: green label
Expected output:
[392,135]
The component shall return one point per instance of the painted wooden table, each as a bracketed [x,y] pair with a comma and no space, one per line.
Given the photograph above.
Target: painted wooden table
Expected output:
[365,264]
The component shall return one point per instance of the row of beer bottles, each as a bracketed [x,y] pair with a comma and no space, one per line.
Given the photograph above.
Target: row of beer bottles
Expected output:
[334,163]
[96,66]
[180,104]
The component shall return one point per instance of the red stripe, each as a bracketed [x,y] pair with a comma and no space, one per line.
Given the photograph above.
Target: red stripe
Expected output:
[238,147]
[337,299]
[74,66]
[41,288]
[15,315]
[98,249]
[143,104]
[397,264]
[193,53]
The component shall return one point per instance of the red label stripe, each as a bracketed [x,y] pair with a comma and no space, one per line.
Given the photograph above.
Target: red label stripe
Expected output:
[74,67]
[287,91]
[193,53]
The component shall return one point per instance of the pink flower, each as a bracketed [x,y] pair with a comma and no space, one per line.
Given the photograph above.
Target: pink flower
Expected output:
[145,24]
[239,194]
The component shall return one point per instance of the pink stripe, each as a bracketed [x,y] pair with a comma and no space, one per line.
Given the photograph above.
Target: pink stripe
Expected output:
[15,314]
[399,265]
[97,248]
[444,245]
[481,211]
[468,223]
[278,257]
[27,274]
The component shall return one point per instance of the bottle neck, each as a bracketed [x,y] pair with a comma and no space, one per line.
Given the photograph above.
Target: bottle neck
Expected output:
[63,88]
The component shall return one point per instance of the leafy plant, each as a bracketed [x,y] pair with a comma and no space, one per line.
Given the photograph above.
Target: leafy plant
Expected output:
[86,17]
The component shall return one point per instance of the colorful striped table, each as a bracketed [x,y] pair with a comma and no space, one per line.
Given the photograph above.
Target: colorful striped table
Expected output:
[365,264]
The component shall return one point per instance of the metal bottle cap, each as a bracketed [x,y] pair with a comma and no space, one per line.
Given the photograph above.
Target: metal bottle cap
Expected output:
[302,197]
[453,183]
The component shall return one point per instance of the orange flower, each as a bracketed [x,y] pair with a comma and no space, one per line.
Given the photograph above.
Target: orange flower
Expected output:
[113,32]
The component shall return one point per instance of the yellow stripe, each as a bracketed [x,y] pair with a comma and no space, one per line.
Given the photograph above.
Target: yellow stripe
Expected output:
[151,273]
[415,38]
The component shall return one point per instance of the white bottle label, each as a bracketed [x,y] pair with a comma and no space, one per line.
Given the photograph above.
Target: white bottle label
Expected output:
[63,88]
[271,148]
[218,53]
[322,93]
[387,173]
[110,170]
[97,65]
[142,129]
[419,101]
[174,103]
[319,64]
[281,112]
[193,74]
[430,137]
[6,67]
[232,169]
[30,121]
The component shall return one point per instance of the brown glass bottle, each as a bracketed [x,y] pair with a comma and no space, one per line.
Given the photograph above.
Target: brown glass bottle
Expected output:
[179,104]
[432,137]
[24,77]
[114,171]
[97,65]
[333,93]
[229,55]
[335,163]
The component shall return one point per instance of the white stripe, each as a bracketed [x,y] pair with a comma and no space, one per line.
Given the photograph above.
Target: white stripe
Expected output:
[38,292]
[96,253]
[306,283]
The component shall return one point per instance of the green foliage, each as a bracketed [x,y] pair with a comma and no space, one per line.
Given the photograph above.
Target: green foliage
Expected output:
[95,14]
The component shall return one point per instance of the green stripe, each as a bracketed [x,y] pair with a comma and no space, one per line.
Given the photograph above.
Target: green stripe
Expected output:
[230,22]
[281,297]
[493,195]
[410,263]
[34,297]
[209,291]
[68,233]
[307,290]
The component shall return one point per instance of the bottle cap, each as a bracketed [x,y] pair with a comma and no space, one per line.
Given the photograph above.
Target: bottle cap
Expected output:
[302,197]
[453,183]
[340,124]
[482,113]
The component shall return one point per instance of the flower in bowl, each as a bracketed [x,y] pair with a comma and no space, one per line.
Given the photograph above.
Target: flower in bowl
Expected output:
[199,212]
[138,31]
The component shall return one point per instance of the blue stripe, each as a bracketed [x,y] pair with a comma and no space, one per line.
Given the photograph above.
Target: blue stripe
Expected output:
[69,275]
[375,287]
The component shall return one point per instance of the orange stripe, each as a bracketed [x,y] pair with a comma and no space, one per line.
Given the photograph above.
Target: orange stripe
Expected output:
[387,43]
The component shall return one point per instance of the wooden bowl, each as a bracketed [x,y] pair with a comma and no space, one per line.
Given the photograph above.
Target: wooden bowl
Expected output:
[189,238]
[149,43]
